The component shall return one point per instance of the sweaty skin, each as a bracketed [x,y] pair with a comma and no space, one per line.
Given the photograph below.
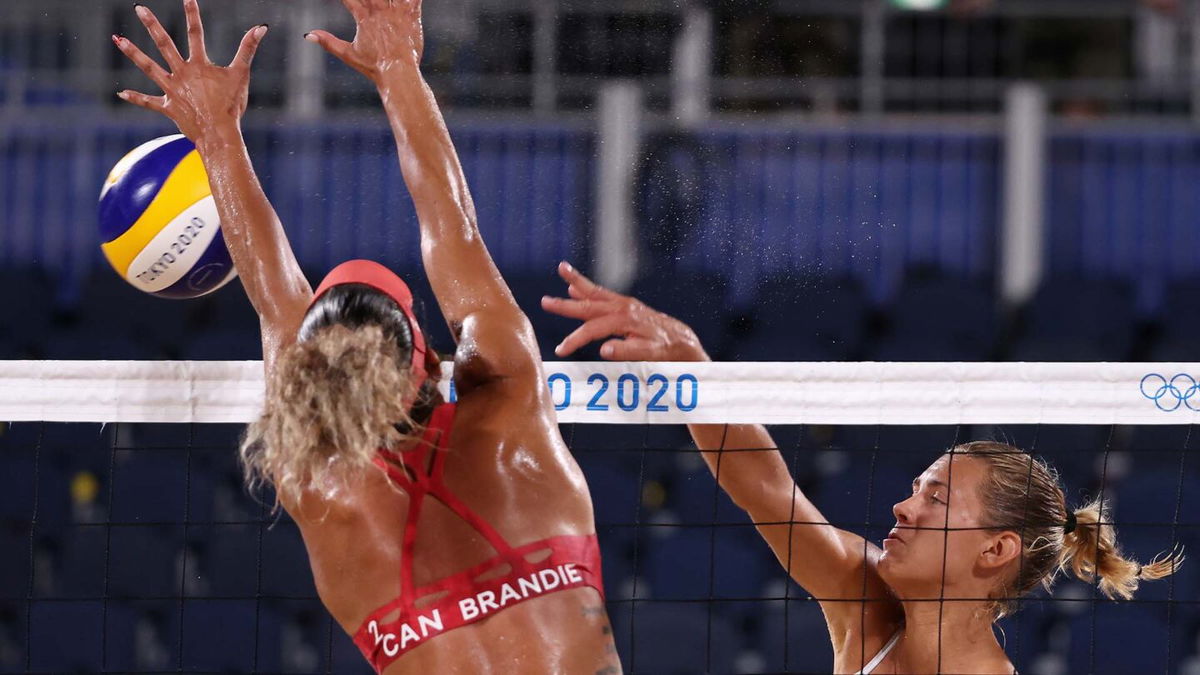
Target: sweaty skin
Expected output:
[507,459]
[848,574]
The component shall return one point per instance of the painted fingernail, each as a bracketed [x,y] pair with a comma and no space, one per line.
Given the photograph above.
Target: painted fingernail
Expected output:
[141,10]
[310,37]
[123,95]
[606,351]
[117,39]
[261,31]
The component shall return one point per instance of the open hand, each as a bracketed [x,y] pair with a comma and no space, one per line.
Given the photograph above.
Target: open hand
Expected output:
[198,95]
[642,333]
[389,33]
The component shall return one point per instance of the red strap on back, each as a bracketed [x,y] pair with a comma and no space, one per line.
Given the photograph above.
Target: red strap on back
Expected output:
[571,561]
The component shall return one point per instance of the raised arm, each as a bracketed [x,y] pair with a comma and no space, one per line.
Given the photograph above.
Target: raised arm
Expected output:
[469,288]
[826,561]
[207,102]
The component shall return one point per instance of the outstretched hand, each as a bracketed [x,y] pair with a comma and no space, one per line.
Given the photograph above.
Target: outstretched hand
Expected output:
[640,333]
[197,95]
[389,32]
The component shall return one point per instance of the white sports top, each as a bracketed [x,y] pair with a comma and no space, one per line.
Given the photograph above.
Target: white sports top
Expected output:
[883,653]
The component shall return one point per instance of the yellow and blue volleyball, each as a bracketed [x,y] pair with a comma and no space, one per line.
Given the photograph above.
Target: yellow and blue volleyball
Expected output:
[159,224]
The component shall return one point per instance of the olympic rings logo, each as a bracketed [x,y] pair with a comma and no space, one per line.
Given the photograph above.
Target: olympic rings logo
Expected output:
[1171,394]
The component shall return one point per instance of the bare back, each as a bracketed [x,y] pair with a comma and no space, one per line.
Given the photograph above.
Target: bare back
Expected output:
[508,463]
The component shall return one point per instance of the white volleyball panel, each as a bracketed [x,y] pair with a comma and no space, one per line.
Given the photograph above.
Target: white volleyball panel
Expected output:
[175,250]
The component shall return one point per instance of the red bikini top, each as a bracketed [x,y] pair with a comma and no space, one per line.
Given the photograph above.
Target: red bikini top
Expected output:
[515,574]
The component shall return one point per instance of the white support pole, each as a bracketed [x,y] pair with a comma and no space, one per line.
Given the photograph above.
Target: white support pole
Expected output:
[1194,12]
[1023,202]
[692,67]
[874,38]
[305,64]
[545,57]
[619,148]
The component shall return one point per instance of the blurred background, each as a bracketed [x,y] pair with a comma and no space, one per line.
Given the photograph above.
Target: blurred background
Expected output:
[931,180]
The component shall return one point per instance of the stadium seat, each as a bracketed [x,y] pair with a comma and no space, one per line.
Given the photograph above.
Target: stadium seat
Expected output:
[220,344]
[14,561]
[232,558]
[226,636]
[704,562]
[89,345]
[695,498]
[802,319]
[1078,320]
[28,295]
[653,639]
[142,562]
[939,318]
[1179,321]
[285,570]
[804,646]
[153,485]
[1120,638]
[81,637]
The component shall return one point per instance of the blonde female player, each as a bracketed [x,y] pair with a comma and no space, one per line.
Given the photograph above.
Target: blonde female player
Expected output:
[984,521]
[445,539]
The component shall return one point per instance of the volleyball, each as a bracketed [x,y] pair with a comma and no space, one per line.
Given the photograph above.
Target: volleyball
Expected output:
[159,226]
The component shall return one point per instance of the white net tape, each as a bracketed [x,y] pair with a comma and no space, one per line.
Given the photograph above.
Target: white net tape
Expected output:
[661,393]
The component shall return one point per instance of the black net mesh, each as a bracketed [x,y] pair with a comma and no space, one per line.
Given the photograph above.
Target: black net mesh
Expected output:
[135,548]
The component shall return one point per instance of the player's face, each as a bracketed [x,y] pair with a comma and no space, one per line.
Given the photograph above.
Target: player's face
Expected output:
[938,531]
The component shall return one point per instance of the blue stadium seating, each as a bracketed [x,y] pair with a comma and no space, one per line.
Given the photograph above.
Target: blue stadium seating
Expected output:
[802,319]
[1178,319]
[28,298]
[89,345]
[1120,638]
[223,345]
[1077,320]
[82,563]
[154,485]
[699,563]
[695,498]
[804,646]
[143,562]
[232,556]
[285,569]
[81,637]
[616,495]
[226,636]
[938,318]
[14,562]
[649,639]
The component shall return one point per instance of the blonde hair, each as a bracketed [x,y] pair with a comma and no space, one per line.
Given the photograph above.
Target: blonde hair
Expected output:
[332,401]
[1022,494]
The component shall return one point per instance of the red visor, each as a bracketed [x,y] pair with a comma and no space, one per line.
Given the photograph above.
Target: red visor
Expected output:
[384,280]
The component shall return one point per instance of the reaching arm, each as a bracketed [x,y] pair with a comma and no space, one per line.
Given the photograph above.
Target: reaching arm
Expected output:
[207,102]
[387,48]
[826,561]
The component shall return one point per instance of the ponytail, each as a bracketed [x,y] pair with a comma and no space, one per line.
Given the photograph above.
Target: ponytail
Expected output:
[1090,552]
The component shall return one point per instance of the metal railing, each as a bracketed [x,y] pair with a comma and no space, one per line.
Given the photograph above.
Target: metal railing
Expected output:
[552,55]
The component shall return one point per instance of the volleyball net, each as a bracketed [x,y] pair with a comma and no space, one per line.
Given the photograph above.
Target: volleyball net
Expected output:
[128,544]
